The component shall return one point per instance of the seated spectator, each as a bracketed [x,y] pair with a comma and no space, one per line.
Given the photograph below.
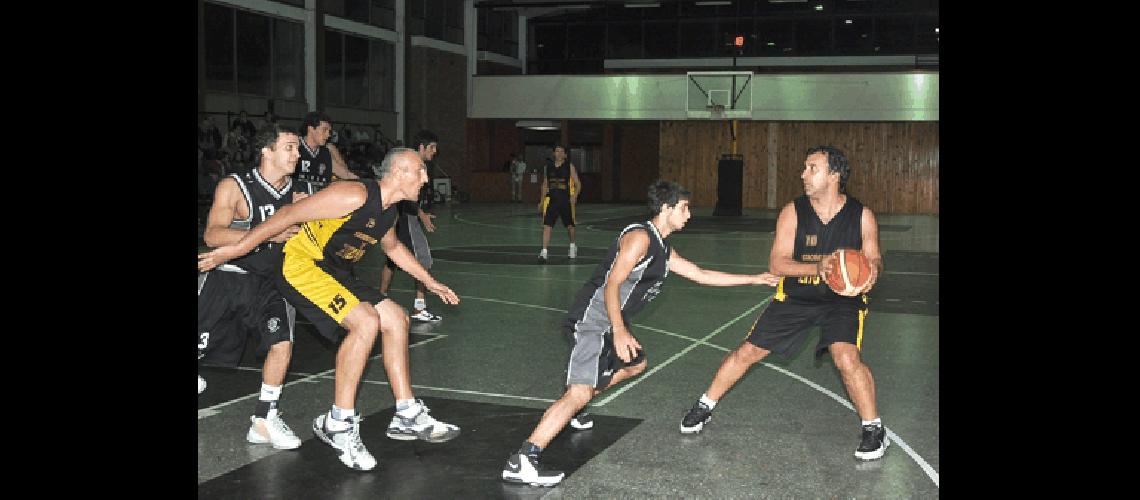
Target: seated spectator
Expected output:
[245,126]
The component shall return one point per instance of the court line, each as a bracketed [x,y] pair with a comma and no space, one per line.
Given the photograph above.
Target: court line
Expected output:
[674,357]
[930,472]
[926,467]
[701,263]
[214,410]
[918,459]
[440,272]
[922,463]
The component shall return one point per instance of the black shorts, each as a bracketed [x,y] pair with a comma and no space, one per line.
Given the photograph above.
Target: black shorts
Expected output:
[593,360]
[324,294]
[784,325]
[233,307]
[557,206]
[410,232]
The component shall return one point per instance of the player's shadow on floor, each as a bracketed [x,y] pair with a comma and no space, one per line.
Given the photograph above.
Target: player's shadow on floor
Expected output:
[468,466]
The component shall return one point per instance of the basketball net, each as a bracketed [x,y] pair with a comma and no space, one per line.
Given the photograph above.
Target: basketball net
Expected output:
[716,111]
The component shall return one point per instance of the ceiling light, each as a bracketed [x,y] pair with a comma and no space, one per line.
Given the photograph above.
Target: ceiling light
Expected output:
[848,21]
[719,2]
[538,124]
[641,5]
[936,30]
[818,6]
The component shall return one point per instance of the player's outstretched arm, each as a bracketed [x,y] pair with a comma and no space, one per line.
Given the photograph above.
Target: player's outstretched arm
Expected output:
[407,261]
[339,166]
[332,202]
[708,277]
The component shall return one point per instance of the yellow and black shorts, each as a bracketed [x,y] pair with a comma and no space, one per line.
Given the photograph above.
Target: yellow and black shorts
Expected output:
[323,293]
[555,205]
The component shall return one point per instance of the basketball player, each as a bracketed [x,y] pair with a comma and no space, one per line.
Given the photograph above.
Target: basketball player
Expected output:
[808,230]
[240,297]
[559,200]
[320,161]
[605,351]
[338,225]
[411,223]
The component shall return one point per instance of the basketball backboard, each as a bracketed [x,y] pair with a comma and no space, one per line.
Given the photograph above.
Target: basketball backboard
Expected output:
[719,94]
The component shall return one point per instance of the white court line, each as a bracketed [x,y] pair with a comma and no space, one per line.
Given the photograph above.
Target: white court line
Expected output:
[673,358]
[930,472]
[471,222]
[700,263]
[214,410]
[464,391]
[441,272]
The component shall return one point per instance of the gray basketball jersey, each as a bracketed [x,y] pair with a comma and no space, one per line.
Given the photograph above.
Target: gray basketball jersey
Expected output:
[641,287]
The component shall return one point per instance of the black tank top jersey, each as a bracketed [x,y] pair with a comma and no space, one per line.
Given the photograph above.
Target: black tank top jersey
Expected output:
[341,242]
[641,287]
[314,166]
[558,179]
[815,240]
[262,201]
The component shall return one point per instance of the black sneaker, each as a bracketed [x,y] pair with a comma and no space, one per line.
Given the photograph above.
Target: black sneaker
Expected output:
[582,421]
[874,443]
[695,420]
[525,469]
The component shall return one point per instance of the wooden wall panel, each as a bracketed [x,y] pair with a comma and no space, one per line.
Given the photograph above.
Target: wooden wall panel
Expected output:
[639,158]
[690,151]
[752,142]
[894,164]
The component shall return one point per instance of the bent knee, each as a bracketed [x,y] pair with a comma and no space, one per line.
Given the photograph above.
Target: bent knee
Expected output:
[579,393]
[393,317]
[845,356]
[750,353]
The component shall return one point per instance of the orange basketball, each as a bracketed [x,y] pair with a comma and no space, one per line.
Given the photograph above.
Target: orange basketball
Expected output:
[849,271]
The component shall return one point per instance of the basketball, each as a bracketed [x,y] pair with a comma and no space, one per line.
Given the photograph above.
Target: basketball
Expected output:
[849,271]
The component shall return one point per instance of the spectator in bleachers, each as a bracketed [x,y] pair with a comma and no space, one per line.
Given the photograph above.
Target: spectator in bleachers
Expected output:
[209,139]
[246,128]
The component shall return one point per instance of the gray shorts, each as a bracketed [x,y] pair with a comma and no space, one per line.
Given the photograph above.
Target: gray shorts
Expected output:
[593,360]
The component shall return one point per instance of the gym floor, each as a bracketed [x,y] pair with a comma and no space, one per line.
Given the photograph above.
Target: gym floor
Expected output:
[497,360]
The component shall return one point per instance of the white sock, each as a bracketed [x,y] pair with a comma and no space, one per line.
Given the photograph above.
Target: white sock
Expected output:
[270,392]
[421,304]
[407,407]
[876,421]
[708,402]
[337,418]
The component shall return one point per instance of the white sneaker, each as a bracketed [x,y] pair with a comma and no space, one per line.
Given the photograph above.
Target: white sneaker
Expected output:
[526,469]
[279,434]
[421,426]
[201,384]
[582,421]
[573,251]
[352,450]
[424,315]
[542,256]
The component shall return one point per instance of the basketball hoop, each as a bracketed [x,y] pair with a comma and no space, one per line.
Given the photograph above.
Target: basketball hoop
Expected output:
[716,111]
